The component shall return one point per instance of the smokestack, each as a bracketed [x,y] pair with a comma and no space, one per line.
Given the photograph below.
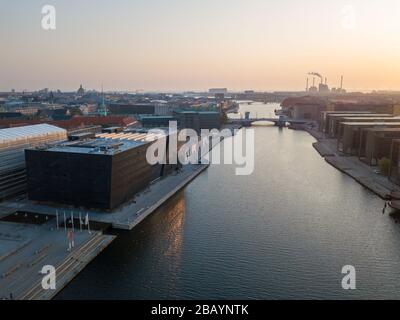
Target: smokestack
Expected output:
[307,86]
[326,80]
[341,82]
[313,82]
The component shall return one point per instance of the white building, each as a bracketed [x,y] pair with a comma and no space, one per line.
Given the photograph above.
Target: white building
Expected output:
[13,142]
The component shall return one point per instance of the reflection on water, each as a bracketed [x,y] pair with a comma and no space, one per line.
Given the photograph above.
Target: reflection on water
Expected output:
[284,232]
[156,245]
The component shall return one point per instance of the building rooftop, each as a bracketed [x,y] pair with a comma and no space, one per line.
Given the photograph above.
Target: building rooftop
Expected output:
[141,137]
[19,133]
[156,117]
[382,129]
[358,124]
[99,146]
[360,115]
[370,118]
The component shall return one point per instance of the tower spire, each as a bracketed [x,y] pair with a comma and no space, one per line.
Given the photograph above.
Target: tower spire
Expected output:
[103,108]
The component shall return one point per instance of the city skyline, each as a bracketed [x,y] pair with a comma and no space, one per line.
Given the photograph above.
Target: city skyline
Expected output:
[193,46]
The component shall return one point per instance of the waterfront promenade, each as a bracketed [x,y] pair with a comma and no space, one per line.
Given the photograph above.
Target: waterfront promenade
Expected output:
[130,214]
[25,249]
[353,167]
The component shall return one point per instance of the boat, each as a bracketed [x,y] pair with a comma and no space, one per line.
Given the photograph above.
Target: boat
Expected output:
[395,204]
[394,195]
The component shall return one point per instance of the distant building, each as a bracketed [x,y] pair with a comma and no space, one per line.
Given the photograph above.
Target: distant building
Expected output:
[13,142]
[382,107]
[162,109]
[156,121]
[349,139]
[307,107]
[198,120]
[81,91]
[394,174]
[27,111]
[376,144]
[323,88]
[75,122]
[218,90]
[10,115]
[132,109]
[219,97]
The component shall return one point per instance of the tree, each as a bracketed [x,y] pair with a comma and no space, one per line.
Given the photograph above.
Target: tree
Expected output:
[224,117]
[384,166]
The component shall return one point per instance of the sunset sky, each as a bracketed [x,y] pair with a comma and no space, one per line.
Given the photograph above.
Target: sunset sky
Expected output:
[194,45]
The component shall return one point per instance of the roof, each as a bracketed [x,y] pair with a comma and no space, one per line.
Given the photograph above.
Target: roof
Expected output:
[108,143]
[306,100]
[99,146]
[76,122]
[387,118]
[357,115]
[357,124]
[156,117]
[142,137]
[13,134]
[382,129]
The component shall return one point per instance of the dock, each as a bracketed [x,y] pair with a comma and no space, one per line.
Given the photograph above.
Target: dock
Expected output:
[26,248]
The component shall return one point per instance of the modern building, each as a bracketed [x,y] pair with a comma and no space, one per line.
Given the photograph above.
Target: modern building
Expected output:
[334,120]
[382,107]
[10,115]
[13,142]
[198,120]
[324,123]
[394,173]
[76,122]
[132,109]
[156,121]
[349,140]
[98,173]
[376,144]
[162,109]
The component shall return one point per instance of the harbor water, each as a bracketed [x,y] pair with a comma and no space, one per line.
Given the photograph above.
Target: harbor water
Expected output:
[284,232]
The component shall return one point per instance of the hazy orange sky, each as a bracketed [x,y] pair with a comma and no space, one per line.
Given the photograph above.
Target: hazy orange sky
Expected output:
[194,45]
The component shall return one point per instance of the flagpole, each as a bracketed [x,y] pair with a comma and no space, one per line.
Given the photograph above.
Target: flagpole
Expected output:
[57,218]
[65,222]
[72,221]
[88,223]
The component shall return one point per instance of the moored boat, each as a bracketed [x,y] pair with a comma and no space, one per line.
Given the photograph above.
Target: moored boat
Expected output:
[395,204]
[395,195]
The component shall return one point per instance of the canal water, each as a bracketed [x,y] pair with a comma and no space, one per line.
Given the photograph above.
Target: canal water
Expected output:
[284,232]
